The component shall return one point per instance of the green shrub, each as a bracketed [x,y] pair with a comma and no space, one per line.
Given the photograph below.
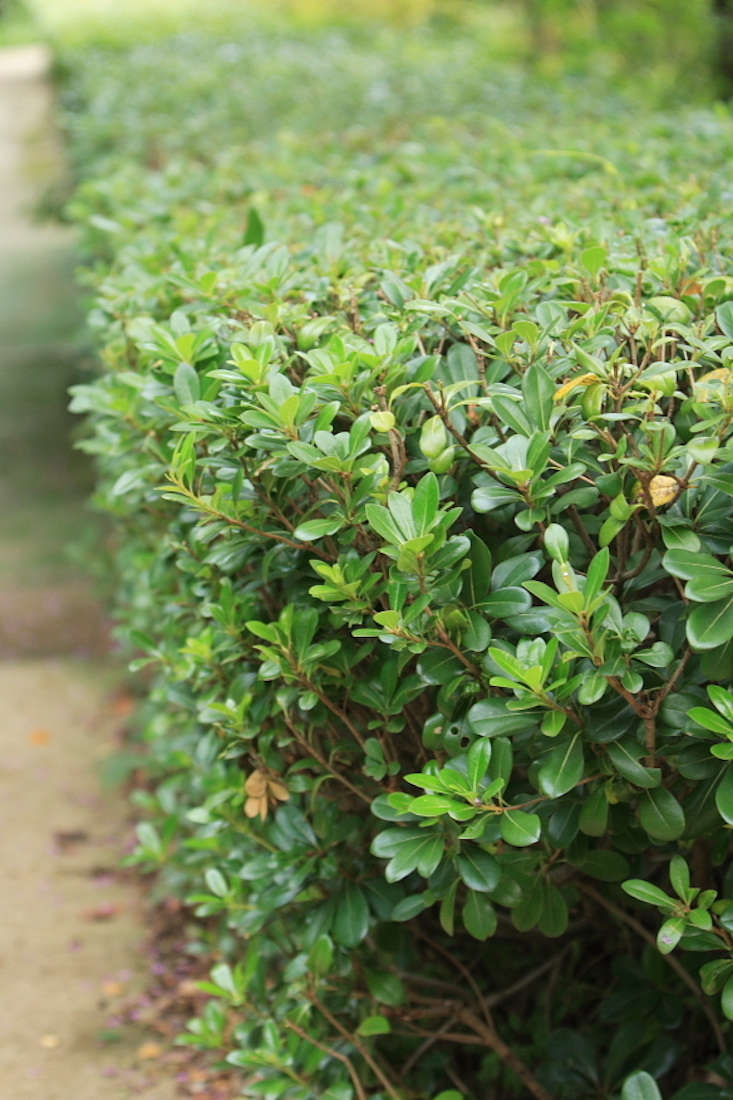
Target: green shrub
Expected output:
[416,431]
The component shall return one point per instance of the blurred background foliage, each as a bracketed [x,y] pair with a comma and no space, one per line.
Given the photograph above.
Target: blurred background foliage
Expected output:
[672,49]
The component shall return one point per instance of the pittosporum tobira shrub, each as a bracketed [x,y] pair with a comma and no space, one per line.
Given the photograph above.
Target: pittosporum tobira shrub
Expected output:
[426,530]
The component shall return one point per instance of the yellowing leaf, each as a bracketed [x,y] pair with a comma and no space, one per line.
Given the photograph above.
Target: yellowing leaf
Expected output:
[256,785]
[148,1051]
[713,384]
[567,387]
[663,490]
[278,790]
[256,807]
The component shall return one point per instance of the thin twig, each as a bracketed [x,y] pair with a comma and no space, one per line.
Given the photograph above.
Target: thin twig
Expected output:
[674,963]
[343,1058]
[363,1051]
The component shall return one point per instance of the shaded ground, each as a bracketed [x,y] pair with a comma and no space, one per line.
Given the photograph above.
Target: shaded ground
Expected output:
[45,606]
[72,928]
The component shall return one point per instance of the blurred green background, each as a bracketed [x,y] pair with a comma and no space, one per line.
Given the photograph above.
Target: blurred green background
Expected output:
[673,48]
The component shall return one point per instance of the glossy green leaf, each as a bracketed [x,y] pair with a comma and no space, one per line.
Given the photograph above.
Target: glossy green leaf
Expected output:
[724,796]
[351,922]
[520,828]
[640,1086]
[661,815]
[563,767]
[479,916]
[479,870]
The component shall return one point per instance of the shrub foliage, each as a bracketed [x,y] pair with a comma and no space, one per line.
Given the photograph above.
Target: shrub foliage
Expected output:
[415,424]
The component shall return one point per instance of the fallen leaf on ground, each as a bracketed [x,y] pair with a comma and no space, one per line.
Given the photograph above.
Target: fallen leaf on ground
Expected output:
[66,838]
[49,1041]
[149,1050]
[111,989]
[39,737]
[123,705]
[102,912]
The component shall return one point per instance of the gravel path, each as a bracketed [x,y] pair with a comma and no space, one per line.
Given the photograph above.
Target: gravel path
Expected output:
[71,926]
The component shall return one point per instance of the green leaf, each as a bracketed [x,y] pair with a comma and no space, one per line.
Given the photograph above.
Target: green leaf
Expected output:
[594,814]
[255,231]
[708,589]
[648,893]
[490,718]
[714,975]
[554,916]
[477,579]
[722,700]
[726,1002]
[594,258]
[724,317]
[425,502]
[320,956]
[479,758]
[556,542]
[351,921]
[314,529]
[409,907]
[679,876]
[519,828]
[710,624]
[385,987]
[661,815]
[479,916]
[374,1025]
[479,870]
[640,1086]
[448,908]
[597,573]
[687,564]
[710,720]
[563,768]
[724,796]
[186,384]
[216,882]
[410,849]
[670,934]
[603,864]
[432,805]
[507,601]
[624,756]
[538,390]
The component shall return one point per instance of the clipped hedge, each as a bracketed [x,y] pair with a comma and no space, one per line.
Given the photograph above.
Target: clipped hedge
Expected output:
[415,426]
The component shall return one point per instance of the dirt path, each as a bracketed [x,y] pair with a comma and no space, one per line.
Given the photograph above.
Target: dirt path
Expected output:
[71,927]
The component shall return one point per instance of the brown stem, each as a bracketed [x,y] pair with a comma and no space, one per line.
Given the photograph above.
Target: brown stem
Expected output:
[304,743]
[650,740]
[508,1056]
[341,715]
[343,1058]
[363,1051]
[674,963]
[669,686]
[578,524]
[211,511]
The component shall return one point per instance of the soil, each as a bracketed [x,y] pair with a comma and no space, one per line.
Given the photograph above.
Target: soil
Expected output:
[72,926]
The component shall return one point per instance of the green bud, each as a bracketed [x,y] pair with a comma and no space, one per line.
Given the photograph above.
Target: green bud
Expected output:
[443,462]
[557,543]
[382,421]
[433,437]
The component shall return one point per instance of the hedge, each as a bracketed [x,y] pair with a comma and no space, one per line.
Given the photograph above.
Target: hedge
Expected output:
[413,417]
